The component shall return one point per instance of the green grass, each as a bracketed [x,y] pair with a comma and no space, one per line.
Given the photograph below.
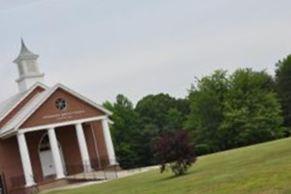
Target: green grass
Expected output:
[259,169]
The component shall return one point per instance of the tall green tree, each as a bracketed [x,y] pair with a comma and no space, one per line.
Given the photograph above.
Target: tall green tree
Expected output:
[283,85]
[125,127]
[147,135]
[207,104]
[252,113]
[157,114]
[232,111]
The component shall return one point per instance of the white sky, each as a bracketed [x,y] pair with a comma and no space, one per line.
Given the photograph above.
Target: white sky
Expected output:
[101,48]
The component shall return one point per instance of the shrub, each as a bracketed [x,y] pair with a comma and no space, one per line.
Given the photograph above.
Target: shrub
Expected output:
[174,150]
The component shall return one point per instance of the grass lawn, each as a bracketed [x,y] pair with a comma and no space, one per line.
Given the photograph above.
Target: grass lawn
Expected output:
[259,169]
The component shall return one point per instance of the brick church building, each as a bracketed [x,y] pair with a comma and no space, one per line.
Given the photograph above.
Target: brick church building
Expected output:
[49,133]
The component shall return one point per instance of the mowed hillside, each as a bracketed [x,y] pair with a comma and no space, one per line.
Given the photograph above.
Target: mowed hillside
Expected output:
[259,169]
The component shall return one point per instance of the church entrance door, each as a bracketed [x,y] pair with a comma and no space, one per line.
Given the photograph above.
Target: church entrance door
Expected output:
[46,157]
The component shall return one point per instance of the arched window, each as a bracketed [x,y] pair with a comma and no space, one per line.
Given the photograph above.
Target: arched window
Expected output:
[44,144]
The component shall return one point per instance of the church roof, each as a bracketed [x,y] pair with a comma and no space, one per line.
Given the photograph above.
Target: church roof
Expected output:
[25,53]
[24,112]
[7,105]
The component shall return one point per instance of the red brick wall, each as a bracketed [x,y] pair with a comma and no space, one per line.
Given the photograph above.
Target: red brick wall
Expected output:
[67,137]
[92,145]
[47,113]
[98,130]
[10,163]
[33,139]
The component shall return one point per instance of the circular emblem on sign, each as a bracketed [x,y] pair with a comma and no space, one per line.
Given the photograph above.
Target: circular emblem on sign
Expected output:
[61,104]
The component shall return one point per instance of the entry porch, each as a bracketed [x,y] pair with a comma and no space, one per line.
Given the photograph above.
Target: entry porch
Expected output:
[64,150]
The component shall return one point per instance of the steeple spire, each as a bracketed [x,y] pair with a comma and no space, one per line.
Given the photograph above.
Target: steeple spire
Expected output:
[25,53]
[28,69]
[23,46]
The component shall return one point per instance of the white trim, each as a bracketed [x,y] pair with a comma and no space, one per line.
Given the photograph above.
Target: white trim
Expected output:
[10,133]
[108,142]
[25,160]
[22,98]
[83,148]
[21,78]
[56,153]
[55,125]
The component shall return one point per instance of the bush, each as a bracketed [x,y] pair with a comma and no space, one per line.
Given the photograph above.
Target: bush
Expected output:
[174,150]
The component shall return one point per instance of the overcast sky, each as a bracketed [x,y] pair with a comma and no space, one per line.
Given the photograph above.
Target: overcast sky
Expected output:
[101,48]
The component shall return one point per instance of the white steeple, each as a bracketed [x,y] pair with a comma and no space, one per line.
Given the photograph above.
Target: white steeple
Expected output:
[28,69]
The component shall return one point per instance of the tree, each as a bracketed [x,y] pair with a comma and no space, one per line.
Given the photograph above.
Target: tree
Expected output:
[207,104]
[232,111]
[154,109]
[158,114]
[134,129]
[125,127]
[174,119]
[176,150]
[147,135]
[252,113]
[283,86]
[163,111]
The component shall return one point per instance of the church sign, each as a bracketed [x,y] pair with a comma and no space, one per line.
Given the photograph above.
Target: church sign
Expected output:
[64,116]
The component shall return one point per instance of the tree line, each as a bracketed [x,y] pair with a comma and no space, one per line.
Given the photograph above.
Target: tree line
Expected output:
[221,111]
